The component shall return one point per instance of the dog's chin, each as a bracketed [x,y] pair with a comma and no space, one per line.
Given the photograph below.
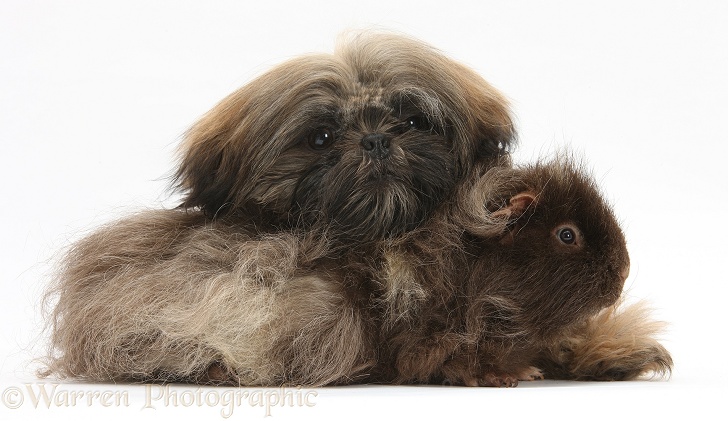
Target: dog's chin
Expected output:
[374,205]
[381,208]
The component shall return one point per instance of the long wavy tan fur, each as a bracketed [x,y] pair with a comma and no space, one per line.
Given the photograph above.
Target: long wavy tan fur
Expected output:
[165,296]
[620,343]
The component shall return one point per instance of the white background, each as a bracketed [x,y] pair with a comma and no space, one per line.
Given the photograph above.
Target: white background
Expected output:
[94,97]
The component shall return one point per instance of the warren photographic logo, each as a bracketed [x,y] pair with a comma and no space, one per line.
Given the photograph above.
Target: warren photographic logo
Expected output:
[54,395]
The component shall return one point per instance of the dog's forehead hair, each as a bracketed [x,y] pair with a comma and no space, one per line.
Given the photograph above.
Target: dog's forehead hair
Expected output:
[364,95]
[368,103]
[373,97]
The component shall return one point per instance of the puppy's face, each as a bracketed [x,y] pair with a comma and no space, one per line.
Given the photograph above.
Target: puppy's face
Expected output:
[367,141]
[375,163]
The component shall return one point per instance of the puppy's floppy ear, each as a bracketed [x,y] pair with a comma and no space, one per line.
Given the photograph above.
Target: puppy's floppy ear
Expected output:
[479,117]
[210,165]
[489,116]
[225,155]
[201,170]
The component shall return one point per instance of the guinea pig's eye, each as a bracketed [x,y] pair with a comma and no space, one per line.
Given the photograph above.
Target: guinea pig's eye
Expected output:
[568,235]
[418,122]
[320,138]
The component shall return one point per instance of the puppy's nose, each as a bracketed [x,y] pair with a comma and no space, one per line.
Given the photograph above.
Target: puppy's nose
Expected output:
[376,144]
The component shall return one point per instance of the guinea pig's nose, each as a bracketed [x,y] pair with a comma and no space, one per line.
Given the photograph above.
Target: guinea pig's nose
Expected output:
[625,271]
[376,144]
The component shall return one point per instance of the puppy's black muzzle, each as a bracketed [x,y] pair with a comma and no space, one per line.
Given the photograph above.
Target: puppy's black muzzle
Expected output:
[376,145]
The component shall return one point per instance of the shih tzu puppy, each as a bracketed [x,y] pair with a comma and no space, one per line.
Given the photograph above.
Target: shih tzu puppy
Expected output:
[314,160]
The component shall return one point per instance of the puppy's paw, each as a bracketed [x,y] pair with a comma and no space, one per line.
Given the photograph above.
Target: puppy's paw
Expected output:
[217,374]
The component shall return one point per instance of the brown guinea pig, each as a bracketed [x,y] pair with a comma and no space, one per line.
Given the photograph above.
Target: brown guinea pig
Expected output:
[524,255]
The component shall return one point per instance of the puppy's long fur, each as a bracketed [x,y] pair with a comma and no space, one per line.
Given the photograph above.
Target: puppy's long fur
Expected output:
[173,297]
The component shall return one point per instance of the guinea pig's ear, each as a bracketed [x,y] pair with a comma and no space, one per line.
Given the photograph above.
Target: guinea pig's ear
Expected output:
[517,205]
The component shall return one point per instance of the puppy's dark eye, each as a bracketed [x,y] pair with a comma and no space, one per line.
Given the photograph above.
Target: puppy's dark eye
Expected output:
[418,122]
[320,139]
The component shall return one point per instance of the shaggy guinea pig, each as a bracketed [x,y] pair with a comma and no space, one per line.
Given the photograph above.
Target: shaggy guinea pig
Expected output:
[523,257]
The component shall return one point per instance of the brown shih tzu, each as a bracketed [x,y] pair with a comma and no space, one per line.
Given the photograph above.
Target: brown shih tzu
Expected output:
[322,153]
[365,142]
